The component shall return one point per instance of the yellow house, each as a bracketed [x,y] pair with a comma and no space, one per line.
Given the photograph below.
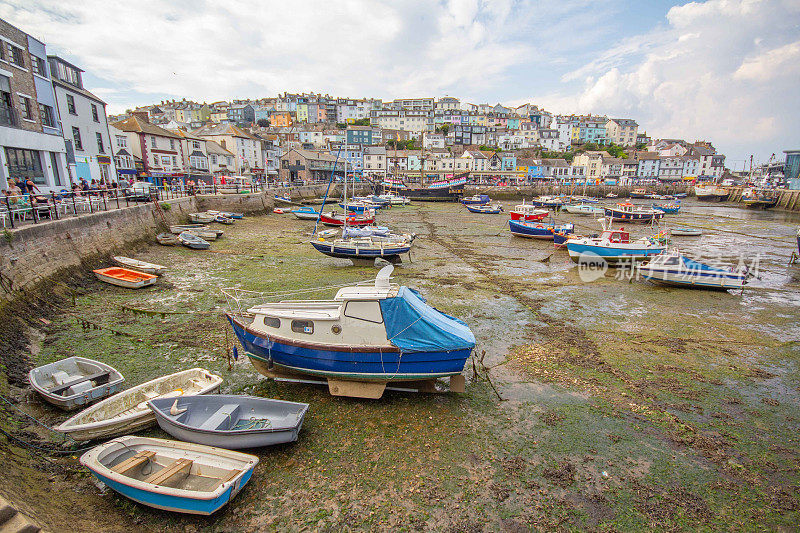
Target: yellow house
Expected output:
[302,112]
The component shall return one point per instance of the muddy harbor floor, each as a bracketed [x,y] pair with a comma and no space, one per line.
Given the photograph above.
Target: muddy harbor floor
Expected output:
[610,405]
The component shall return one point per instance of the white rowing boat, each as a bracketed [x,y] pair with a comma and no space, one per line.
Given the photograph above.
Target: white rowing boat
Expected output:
[127,411]
[141,266]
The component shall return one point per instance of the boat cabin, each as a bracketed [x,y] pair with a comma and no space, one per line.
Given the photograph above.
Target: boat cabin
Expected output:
[616,236]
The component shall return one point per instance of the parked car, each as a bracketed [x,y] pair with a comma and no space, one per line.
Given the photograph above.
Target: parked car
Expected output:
[141,191]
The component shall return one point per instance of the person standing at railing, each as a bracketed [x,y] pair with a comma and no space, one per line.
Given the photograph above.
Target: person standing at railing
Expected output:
[14,193]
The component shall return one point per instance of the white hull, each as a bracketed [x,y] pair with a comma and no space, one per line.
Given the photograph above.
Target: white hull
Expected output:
[127,284]
[127,411]
[141,266]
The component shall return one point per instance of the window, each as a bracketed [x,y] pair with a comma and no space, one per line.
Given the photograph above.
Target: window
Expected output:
[16,55]
[195,145]
[56,173]
[25,103]
[38,66]
[48,118]
[171,144]
[272,322]
[95,116]
[71,105]
[174,161]
[165,161]
[24,164]
[76,137]
[303,326]
[213,159]
[122,141]
[153,142]
[100,147]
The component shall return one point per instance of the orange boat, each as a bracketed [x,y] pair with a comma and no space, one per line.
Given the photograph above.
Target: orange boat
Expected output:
[124,277]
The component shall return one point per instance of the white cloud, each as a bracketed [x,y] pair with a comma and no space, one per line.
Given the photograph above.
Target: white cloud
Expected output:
[723,70]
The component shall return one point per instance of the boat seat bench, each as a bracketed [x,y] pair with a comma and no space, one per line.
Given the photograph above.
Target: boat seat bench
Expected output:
[223,414]
[170,470]
[132,462]
[60,389]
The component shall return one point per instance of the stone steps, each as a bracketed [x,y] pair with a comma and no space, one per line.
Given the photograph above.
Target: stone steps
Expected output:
[12,521]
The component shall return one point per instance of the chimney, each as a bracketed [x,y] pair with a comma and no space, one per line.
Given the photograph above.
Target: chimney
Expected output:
[141,115]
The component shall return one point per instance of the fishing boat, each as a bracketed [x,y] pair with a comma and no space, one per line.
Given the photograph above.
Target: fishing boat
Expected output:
[305,213]
[674,268]
[141,266]
[358,206]
[331,218]
[638,193]
[478,199]
[284,198]
[167,239]
[670,209]
[528,212]
[583,209]
[628,212]
[760,198]
[538,230]
[75,381]
[230,421]
[368,333]
[711,192]
[127,411]
[180,228]
[190,240]
[560,238]
[369,247]
[549,202]
[449,188]
[685,232]
[170,475]
[613,245]
[485,209]
[205,234]
[201,218]
[124,277]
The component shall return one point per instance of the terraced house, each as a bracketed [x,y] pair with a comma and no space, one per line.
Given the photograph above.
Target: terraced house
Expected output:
[84,121]
[157,152]
[31,145]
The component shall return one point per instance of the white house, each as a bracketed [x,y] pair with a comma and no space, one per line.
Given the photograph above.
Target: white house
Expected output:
[245,147]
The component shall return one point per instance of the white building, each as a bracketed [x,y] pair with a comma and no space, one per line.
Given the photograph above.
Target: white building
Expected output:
[432,140]
[84,123]
[622,131]
[246,148]
[374,160]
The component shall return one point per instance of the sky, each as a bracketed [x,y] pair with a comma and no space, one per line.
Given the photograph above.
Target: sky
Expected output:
[727,71]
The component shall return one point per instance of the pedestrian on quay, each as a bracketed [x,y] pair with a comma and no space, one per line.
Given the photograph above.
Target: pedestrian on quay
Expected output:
[84,185]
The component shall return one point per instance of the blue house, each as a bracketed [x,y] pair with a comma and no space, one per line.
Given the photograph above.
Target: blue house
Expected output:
[359,135]
[509,159]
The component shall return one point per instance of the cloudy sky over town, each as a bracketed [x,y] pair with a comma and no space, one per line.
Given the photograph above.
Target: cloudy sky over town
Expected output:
[723,70]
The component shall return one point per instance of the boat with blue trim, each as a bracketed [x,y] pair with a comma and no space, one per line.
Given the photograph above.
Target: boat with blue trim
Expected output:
[674,268]
[170,475]
[613,245]
[670,209]
[368,333]
[485,209]
[538,230]
[478,199]
[629,212]
[306,213]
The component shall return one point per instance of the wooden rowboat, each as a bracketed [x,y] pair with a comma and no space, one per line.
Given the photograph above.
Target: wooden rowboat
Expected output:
[141,266]
[170,475]
[124,277]
[191,240]
[127,411]
[167,239]
[201,218]
[180,228]
[230,421]
[75,381]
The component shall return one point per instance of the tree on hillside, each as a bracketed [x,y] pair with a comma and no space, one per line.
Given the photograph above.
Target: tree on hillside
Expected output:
[443,129]
[263,123]
[362,122]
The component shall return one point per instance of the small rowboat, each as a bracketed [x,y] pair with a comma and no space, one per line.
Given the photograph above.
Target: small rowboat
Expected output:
[201,218]
[180,228]
[123,277]
[205,234]
[222,219]
[127,411]
[485,209]
[75,381]
[226,214]
[685,232]
[281,210]
[170,475]
[192,241]
[229,421]
[284,199]
[141,266]
[306,213]
[167,239]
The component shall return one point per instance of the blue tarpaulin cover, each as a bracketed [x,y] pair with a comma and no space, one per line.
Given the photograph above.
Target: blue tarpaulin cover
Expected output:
[414,326]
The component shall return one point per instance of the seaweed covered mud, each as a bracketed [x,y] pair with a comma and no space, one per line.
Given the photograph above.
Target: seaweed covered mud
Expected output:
[611,404]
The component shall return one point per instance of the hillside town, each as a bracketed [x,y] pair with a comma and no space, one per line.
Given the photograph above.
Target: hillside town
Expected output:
[57,133]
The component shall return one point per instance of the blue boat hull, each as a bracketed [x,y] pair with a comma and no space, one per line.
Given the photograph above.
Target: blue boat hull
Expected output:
[370,365]
[176,503]
[346,252]
[633,217]
[545,232]
[611,254]
[473,209]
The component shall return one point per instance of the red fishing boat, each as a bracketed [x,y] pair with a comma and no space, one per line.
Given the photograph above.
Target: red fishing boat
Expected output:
[331,218]
[528,213]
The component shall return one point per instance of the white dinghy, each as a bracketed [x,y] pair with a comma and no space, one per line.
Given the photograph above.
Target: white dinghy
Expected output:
[127,411]
[141,266]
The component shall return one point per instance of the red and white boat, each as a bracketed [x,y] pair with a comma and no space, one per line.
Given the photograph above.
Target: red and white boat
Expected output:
[331,218]
[528,213]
